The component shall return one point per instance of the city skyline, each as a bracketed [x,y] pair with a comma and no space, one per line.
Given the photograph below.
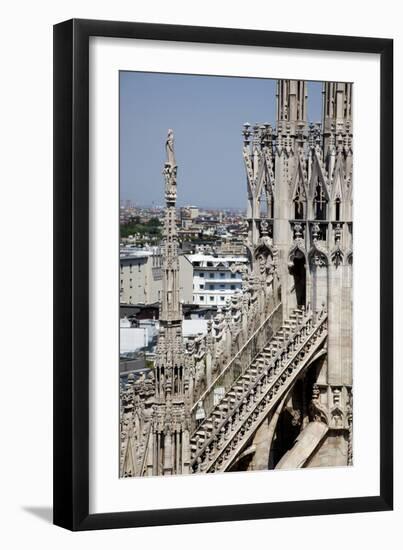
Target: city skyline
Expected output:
[150,103]
[209,208]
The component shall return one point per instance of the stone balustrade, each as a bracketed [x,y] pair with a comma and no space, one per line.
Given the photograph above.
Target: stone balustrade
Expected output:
[242,327]
[239,363]
[219,438]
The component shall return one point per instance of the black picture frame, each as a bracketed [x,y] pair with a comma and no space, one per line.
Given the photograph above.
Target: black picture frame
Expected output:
[71,274]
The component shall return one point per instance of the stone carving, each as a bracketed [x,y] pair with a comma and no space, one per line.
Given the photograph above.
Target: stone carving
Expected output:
[218,451]
[317,254]
[297,249]
[238,268]
[317,258]
[350,428]
[318,411]
[170,173]
[337,254]
[315,135]
[296,416]
[169,147]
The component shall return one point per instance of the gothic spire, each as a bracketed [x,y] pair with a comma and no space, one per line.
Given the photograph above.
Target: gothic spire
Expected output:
[171,310]
[170,360]
[337,116]
[292,101]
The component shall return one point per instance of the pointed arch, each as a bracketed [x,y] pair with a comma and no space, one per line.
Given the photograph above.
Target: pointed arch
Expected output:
[297,266]
[264,257]
[266,249]
[337,188]
[318,175]
[297,250]
[259,178]
[318,189]
[129,466]
[299,192]
[318,256]
[269,172]
[337,255]
[264,183]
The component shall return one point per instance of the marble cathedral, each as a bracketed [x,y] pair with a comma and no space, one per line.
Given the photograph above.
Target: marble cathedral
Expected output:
[270,385]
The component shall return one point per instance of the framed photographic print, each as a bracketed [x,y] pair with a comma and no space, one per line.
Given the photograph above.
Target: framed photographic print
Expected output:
[223,344]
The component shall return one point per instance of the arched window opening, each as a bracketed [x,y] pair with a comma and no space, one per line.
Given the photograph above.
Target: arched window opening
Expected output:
[319,203]
[263,207]
[298,272]
[298,210]
[338,207]
[270,206]
[299,204]
[266,205]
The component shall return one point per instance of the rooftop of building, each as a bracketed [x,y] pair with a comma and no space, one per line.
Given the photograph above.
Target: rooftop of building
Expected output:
[128,252]
[152,310]
[216,258]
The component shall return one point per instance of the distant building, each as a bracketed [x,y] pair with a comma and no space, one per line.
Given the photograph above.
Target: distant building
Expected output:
[194,327]
[194,212]
[215,278]
[141,276]
[133,338]
[232,246]
[136,313]
[190,212]
[187,215]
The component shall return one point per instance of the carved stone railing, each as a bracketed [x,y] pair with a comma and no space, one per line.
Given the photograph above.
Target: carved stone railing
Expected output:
[221,437]
[234,325]
[238,365]
[135,426]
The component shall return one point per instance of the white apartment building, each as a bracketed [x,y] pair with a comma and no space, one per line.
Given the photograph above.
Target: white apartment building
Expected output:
[215,278]
[141,276]
[135,338]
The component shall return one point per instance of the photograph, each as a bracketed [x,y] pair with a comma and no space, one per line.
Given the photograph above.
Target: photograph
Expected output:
[235,274]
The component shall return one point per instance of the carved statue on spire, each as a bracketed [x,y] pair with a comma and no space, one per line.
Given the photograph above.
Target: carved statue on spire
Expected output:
[170,170]
[169,146]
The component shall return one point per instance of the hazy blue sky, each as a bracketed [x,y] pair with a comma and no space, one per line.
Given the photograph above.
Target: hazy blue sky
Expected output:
[206,114]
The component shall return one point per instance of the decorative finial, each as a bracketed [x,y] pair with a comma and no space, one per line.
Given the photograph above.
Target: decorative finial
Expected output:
[337,233]
[246,133]
[315,231]
[298,231]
